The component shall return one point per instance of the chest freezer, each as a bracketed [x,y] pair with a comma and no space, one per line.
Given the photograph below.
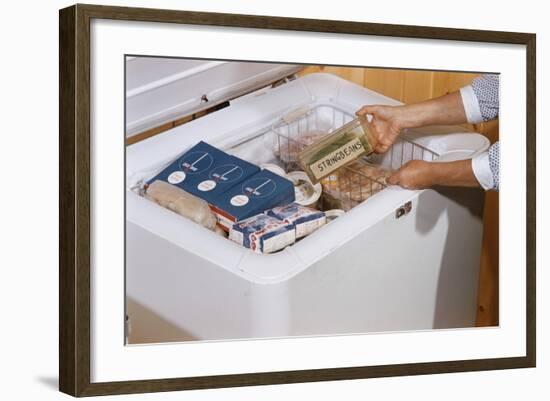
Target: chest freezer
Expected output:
[396,260]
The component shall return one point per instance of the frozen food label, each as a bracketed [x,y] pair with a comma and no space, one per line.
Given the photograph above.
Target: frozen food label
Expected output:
[337,158]
[176,177]
[262,191]
[259,187]
[226,173]
[207,185]
[207,172]
[239,200]
[195,162]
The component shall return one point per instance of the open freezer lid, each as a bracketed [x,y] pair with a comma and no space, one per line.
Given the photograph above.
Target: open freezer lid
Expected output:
[160,90]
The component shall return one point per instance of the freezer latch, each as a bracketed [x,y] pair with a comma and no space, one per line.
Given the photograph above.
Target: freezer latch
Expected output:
[403,210]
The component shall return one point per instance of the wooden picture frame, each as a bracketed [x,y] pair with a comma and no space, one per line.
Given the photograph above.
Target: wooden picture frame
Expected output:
[74,199]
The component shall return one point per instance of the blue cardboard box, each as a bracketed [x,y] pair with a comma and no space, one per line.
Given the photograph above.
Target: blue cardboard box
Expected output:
[206,171]
[264,190]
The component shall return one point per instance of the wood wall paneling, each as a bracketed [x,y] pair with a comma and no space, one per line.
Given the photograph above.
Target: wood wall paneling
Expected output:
[417,86]
[386,82]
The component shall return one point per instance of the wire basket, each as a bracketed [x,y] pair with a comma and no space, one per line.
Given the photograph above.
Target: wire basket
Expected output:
[355,182]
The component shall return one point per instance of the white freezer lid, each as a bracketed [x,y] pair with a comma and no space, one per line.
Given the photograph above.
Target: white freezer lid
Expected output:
[160,89]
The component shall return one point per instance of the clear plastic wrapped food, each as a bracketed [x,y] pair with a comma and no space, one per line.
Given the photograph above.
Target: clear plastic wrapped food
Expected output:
[340,148]
[181,202]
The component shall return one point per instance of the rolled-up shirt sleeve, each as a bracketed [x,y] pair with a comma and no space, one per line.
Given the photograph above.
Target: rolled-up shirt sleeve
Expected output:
[486,168]
[481,98]
[481,103]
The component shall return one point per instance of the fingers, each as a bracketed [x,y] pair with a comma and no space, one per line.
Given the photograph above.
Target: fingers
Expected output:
[394,178]
[381,148]
[366,110]
[415,174]
[399,177]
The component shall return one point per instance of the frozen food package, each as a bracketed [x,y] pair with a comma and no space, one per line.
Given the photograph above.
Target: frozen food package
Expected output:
[306,220]
[206,171]
[263,233]
[337,150]
[181,202]
[253,196]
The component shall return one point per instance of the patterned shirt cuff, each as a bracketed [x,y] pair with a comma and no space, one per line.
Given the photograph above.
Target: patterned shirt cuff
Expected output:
[471,105]
[482,171]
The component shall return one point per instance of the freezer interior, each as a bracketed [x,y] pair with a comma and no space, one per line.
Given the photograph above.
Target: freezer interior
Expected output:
[265,128]
[280,144]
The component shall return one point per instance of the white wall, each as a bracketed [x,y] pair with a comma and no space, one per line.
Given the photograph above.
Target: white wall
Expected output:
[28,160]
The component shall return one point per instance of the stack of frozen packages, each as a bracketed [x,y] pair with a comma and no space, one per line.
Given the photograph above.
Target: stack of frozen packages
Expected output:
[263,190]
[206,171]
[276,228]
[235,189]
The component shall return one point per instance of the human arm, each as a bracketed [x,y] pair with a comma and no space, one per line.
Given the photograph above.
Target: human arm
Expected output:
[420,174]
[474,103]
[482,170]
[388,121]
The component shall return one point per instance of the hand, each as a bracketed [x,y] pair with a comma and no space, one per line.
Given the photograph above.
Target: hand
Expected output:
[415,174]
[385,124]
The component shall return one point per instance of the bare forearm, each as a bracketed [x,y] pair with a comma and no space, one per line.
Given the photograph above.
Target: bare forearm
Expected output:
[447,109]
[420,174]
[457,174]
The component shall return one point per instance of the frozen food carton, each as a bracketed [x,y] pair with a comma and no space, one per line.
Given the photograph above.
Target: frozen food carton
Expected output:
[206,171]
[337,149]
[263,234]
[305,219]
[264,190]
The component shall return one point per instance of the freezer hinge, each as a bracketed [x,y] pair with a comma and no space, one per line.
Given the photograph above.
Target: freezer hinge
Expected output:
[283,81]
[403,210]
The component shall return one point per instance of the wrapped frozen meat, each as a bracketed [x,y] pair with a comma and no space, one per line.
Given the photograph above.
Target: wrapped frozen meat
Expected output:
[181,202]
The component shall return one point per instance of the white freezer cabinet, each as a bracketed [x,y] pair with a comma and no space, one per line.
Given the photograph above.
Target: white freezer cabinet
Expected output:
[396,260]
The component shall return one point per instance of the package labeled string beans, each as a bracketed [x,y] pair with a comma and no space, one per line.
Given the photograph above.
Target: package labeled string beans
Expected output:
[337,149]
